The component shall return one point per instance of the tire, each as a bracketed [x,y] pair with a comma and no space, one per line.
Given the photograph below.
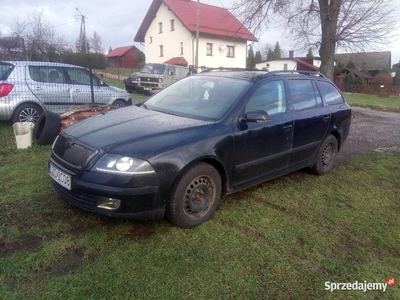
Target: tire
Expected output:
[195,196]
[27,112]
[326,156]
[47,128]
[119,103]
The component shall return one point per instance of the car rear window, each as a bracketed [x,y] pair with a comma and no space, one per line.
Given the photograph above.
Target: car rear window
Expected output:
[330,93]
[5,70]
[302,93]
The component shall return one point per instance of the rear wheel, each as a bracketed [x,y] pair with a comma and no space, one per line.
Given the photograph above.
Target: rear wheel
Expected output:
[326,156]
[27,112]
[119,103]
[195,196]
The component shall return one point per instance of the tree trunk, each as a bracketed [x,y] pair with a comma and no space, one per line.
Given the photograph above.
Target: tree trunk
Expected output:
[329,13]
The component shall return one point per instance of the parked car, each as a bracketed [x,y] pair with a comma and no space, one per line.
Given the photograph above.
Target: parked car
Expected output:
[205,136]
[154,77]
[131,82]
[28,88]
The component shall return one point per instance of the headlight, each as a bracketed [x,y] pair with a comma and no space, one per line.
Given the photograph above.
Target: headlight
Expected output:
[124,165]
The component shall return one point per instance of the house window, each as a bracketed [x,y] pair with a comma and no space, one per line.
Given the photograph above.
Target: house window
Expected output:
[150,40]
[209,49]
[172,25]
[161,50]
[230,51]
[181,48]
[285,67]
[160,27]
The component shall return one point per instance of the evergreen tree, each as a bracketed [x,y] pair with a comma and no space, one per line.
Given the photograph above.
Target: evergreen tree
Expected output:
[350,65]
[258,57]
[270,54]
[277,51]
[250,62]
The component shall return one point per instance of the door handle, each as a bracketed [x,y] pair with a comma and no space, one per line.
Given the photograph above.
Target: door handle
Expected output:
[77,91]
[326,118]
[287,128]
[38,88]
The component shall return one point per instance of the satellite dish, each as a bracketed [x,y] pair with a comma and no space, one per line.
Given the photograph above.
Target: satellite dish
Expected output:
[222,47]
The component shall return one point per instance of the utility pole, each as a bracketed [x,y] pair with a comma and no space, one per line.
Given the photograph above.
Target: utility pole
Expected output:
[197,36]
[82,33]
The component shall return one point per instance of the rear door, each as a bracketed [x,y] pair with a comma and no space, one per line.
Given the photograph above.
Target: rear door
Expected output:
[49,85]
[311,120]
[262,149]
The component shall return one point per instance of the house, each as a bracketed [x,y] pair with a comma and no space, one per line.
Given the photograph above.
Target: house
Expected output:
[372,62]
[291,63]
[339,77]
[123,57]
[169,31]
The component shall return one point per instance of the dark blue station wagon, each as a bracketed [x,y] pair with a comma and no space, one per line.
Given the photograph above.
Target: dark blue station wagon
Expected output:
[205,136]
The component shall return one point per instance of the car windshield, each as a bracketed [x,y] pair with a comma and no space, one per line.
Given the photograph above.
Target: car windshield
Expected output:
[199,97]
[153,69]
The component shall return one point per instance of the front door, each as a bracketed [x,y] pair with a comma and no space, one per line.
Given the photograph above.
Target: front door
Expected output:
[262,149]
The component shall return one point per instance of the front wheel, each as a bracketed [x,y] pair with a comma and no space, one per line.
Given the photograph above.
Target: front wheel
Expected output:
[195,196]
[326,156]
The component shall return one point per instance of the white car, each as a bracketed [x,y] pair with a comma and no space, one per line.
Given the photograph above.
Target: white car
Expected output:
[28,88]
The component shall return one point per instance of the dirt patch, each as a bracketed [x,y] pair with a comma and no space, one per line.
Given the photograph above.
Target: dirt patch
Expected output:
[371,130]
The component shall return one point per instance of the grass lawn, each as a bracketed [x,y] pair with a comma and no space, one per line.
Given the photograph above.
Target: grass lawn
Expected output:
[280,240]
[374,101]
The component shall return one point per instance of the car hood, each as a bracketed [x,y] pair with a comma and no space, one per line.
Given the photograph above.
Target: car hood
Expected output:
[136,128]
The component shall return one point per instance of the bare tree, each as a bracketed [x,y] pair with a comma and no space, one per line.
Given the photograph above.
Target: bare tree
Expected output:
[327,25]
[95,43]
[37,37]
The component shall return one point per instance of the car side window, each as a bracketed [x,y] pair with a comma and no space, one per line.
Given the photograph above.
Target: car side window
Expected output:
[302,94]
[79,76]
[330,93]
[269,97]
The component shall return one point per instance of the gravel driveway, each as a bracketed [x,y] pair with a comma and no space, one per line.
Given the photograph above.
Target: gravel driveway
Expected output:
[370,130]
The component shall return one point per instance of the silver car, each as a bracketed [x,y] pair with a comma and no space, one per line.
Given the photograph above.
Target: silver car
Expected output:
[28,88]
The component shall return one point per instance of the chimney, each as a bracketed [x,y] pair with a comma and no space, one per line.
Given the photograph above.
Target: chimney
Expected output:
[291,53]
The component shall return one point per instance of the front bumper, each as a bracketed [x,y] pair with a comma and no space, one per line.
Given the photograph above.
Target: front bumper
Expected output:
[140,202]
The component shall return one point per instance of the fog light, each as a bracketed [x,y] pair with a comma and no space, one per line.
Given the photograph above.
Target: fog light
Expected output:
[108,203]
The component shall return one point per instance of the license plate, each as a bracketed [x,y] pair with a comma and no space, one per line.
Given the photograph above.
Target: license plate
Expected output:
[59,176]
[147,89]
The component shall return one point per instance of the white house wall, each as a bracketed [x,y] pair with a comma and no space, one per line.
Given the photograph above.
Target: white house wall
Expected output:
[171,42]
[276,65]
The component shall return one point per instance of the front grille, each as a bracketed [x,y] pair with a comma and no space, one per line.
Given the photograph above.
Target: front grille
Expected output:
[73,154]
[79,199]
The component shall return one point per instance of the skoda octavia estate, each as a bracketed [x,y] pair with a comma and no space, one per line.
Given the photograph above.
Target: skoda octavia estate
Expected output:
[205,136]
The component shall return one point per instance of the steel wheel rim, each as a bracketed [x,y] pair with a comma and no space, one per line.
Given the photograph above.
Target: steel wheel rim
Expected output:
[29,115]
[327,155]
[199,196]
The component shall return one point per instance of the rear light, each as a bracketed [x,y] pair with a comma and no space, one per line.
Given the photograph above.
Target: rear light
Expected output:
[5,89]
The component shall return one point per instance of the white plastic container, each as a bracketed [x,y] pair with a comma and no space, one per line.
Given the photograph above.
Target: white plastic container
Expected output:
[23,134]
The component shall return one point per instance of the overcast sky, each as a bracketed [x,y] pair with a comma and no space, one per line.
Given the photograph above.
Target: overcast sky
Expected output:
[115,21]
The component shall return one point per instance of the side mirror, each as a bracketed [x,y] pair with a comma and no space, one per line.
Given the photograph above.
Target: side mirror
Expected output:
[258,116]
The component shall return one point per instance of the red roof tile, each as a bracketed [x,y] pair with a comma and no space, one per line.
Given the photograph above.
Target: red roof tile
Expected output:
[214,20]
[120,51]
[300,61]
[180,61]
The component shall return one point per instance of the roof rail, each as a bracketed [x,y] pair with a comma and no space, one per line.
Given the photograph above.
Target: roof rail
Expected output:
[227,69]
[310,73]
